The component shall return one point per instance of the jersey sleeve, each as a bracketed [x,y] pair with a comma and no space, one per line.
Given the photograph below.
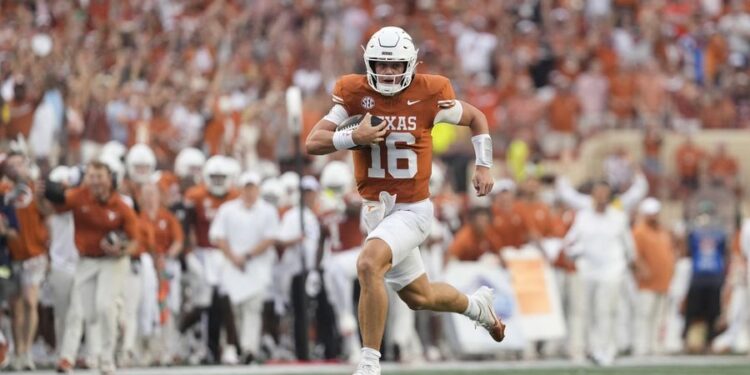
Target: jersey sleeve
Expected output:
[339,111]
[449,109]
[446,97]
[337,96]
[73,198]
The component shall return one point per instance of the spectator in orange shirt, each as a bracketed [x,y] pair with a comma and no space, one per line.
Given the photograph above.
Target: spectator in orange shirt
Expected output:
[508,223]
[475,238]
[722,166]
[688,159]
[655,264]
[536,213]
[29,253]
[564,110]
[622,89]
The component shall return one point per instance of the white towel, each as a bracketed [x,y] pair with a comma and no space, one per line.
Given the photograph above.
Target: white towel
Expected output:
[148,314]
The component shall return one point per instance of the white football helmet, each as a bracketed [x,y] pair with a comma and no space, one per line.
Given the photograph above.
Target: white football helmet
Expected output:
[114,149]
[267,169]
[271,190]
[437,179]
[337,177]
[61,175]
[390,43]
[235,169]
[115,167]
[189,163]
[141,163]
[290,182]
[217,175]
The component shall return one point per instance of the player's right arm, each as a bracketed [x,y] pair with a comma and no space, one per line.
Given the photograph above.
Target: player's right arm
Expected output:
[321,140]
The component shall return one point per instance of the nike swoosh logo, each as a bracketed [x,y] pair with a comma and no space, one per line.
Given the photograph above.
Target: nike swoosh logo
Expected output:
[412,102]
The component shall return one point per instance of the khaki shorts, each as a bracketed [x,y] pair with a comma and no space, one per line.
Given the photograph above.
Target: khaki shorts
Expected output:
[30,272]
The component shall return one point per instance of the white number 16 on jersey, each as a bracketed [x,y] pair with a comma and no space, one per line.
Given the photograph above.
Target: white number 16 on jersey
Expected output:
[393,154]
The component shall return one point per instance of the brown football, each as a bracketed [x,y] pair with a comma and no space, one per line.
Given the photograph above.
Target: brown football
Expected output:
[352,122]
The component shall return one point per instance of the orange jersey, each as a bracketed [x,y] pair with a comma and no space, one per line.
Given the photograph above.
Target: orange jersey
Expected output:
[510,227]
[538,218]
[94,219]
[146,238]
[167,229]
[206,206]
[401,164]
[342,227]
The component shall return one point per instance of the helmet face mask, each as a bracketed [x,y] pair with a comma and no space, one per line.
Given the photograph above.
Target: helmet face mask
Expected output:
[141,163]
[189,164]
[217,175]
[390,44]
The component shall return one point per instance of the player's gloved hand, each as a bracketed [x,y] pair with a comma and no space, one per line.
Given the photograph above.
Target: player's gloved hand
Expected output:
[367,133]
[313,283]
[482,181]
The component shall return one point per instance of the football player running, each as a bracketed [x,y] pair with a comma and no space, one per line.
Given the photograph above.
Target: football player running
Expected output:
[392,165]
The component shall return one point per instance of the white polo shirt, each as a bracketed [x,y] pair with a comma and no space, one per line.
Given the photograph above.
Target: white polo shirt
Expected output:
[243,228]
[601,243]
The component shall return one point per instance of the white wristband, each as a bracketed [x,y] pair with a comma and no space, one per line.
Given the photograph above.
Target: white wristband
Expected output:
[482,149]
[342,140]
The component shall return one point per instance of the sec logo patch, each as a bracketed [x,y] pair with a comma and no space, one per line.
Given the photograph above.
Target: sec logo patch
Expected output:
[368,102]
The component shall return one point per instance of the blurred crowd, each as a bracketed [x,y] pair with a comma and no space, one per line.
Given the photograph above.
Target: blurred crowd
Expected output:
[154,90]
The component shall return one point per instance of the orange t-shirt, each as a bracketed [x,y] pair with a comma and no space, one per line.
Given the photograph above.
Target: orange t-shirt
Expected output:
[654,248]
[469,246]
[167,230]
[561,222]
[401,164]
[94,219]
[510,227]
[688,159]
[723,166]
[33,237]
[206,205]
[538,218]
[169,185]
[622,90]
[563,113]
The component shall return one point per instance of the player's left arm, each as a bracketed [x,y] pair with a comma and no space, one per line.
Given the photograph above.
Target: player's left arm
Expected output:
[471,116]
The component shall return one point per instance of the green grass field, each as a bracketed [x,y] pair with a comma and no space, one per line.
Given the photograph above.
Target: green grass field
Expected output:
[684,365]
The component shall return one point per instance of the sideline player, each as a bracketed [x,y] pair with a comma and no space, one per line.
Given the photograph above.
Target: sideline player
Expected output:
[392,172]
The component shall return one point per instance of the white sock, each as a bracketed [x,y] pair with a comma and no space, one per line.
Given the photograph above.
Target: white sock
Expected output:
[370,356]
[472,310]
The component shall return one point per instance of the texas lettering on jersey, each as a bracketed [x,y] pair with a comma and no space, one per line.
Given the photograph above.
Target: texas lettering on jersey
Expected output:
[402,163]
